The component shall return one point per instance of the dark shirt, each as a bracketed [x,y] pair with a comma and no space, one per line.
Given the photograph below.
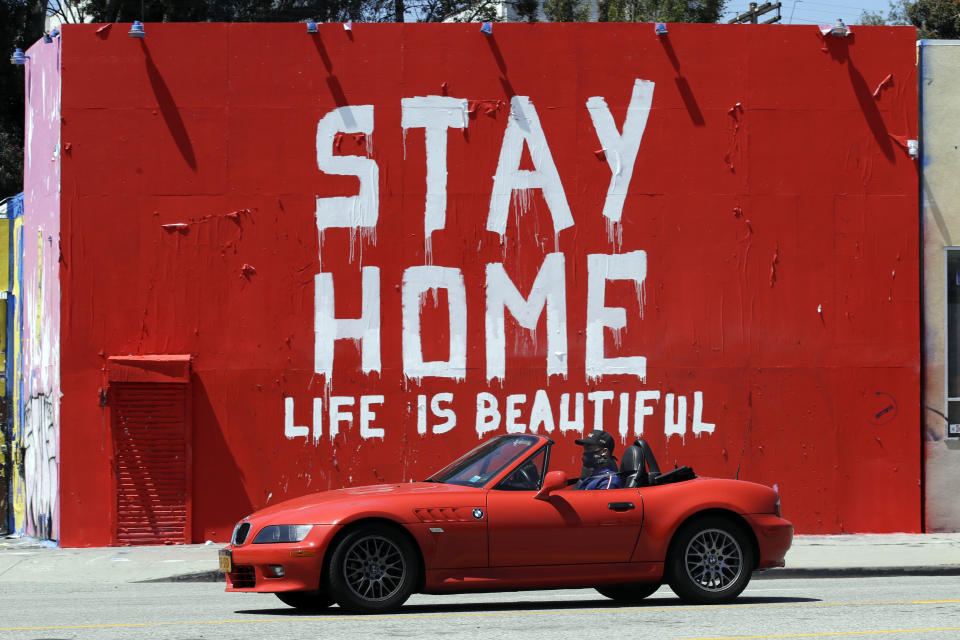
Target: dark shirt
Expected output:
[602,478]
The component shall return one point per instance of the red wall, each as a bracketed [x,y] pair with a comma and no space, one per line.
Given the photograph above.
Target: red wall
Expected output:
[774,204]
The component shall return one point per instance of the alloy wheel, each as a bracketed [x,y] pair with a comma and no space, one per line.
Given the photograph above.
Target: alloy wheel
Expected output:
[713,559]
[374,568]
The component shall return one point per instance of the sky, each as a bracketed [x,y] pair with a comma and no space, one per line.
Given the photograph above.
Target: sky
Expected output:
[811,11]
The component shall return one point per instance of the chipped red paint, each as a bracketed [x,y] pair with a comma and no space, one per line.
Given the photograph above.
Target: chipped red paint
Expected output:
[188,226]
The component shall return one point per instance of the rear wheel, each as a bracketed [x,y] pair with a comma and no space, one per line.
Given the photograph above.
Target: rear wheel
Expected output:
[630,593]
[305,600]
[711,561]
[372,570]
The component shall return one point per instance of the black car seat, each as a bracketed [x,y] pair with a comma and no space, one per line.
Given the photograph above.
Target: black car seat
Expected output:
[638,467]
[630,463]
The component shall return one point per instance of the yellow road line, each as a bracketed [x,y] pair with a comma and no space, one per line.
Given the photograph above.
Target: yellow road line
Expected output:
[829,634]
[544,611]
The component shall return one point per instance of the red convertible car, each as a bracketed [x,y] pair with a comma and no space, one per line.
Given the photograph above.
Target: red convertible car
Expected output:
[498,520]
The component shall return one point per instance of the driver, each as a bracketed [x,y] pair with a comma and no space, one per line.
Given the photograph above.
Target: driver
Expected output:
[599,465]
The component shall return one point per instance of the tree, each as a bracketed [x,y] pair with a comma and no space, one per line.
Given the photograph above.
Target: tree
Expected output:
[896,15]
[935,18]
[21,23]
[526,10]
[566,10]
[274,10]
[664,10]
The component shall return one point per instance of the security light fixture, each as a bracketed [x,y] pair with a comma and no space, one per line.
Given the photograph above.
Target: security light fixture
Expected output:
[136,31]
[19,57]
[839,30]
[660,28]
[487,28]
[311,27]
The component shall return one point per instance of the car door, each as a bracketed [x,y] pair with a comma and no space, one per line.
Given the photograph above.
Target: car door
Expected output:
[569,527]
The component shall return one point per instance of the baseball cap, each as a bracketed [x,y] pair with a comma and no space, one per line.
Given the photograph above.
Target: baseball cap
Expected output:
[599,438]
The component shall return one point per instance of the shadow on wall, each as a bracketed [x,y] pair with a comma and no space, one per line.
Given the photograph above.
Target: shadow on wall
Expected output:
[219,495]
[171,115]
[839,49]
[683,87]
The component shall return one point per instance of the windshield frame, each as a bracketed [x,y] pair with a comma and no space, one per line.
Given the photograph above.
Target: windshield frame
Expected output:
[472,456]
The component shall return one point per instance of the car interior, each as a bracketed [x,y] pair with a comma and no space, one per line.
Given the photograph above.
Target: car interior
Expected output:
[639,468]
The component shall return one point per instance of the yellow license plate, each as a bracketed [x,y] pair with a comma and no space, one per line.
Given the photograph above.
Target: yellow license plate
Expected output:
[226,561]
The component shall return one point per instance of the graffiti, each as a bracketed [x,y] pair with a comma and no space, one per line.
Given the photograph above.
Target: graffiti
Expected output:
[516,413]
[40,466]
[486,413]
[37,425]
[884,408]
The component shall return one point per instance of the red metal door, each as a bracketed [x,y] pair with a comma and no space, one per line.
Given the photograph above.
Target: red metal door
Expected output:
[570,527]
[150,424]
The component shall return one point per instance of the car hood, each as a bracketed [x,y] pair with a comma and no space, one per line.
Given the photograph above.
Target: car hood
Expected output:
[395,501]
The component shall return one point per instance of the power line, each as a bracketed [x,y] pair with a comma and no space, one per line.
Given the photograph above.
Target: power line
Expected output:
[734,12]
[755,12]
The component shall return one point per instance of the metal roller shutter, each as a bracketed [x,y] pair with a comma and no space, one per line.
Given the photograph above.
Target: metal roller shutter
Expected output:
[151,458]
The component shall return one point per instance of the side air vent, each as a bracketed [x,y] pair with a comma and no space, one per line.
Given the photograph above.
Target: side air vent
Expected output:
[243,577]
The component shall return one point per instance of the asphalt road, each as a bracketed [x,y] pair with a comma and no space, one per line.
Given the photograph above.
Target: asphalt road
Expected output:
[898,607]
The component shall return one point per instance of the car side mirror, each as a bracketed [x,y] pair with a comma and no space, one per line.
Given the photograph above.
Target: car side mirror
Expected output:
[555,480]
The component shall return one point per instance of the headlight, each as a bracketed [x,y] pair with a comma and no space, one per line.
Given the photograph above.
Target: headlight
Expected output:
[282,533]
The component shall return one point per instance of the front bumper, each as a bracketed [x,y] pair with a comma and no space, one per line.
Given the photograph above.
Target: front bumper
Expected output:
[302,563]
[774,536]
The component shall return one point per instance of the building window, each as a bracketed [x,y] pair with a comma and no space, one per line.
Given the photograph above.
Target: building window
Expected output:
[953,341]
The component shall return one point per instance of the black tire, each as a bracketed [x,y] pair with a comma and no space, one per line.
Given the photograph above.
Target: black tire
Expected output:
[630,593]
[711,561]
[305,600]
[373,569]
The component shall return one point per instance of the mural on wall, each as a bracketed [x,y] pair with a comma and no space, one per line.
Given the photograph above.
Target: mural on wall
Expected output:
[11,462]
[383,245]
[37,424]
[502,301]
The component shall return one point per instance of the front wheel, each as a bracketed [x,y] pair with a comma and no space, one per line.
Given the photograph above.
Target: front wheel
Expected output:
[631,593]
[305,600]
[710,562]
[374,569]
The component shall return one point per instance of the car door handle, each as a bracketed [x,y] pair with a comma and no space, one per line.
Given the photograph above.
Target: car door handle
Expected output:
[620,506]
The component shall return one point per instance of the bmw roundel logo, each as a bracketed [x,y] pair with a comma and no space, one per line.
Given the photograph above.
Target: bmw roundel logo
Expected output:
[478,514]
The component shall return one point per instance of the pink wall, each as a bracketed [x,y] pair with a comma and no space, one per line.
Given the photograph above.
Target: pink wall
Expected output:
[39,404]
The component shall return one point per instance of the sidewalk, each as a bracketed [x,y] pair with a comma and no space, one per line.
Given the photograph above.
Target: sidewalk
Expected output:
[27,560]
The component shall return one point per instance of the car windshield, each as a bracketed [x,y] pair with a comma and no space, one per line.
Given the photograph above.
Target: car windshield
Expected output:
[477,467]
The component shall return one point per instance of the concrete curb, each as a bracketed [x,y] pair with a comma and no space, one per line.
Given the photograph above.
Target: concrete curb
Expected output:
[770,574]
[857,572]
[201,576]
